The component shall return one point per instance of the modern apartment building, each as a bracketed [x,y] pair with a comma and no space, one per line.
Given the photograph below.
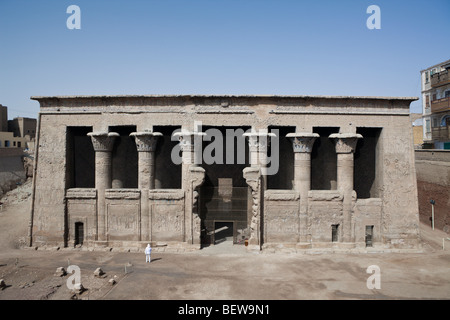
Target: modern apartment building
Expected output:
[436,106]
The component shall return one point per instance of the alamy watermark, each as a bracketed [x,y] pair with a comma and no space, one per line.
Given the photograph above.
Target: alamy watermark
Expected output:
[374,281]
[374,21]
[74,20]
[229,148]
[74,278]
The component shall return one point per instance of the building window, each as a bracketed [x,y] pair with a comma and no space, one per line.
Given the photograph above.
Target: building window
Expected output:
[334,232]
[426,77]
[7,143]
[435,122]
[427,126]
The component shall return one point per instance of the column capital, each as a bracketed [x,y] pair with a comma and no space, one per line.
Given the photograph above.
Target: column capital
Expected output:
[302,141]
[103,141]
[258,141]
[345,142]
[146,140]
[187,139]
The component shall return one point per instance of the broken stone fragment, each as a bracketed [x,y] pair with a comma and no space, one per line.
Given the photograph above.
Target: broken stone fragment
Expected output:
[2,284]
[78,288]
[60,272]
[112,282]
[98,272]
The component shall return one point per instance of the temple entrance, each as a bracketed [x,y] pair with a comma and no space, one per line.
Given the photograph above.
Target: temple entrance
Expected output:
[224,209]
[224,216]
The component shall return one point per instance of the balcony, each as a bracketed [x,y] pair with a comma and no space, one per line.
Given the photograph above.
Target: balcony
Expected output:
[440,79]
[440,105]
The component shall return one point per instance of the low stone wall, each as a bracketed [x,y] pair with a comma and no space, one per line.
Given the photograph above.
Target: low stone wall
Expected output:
[12,169]
[432,155]
[433,183]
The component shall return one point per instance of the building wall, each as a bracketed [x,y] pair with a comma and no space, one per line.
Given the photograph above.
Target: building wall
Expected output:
[22,127]
[434,133]
[418,135]
[3,118]
[8,140]
[275,214]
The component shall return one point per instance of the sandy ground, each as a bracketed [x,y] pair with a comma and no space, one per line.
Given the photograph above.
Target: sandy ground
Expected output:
[222,272]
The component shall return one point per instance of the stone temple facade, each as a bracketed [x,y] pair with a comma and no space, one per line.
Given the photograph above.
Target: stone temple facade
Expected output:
[182,172]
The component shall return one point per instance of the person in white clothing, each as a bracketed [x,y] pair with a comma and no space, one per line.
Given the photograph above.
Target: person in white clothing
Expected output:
[148,251]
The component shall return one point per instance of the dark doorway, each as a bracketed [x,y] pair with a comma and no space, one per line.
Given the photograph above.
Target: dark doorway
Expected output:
[334,232]
[79,233]
[224,194]
[223,231]
[369,236]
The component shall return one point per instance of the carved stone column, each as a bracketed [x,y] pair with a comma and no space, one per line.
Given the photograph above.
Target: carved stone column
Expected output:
[345,147]
[302,144]
[146,146]
[256,178]
[192,178]
[103,144]
[252,176]
[196,179]
[259,143]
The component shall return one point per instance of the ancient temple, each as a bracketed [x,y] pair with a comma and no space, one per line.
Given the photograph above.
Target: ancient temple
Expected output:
[183,172]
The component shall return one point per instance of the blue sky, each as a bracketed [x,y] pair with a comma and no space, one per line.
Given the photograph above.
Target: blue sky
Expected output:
[279,47]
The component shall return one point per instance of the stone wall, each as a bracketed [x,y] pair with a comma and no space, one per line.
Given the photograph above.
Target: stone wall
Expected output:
[433,182]
[12,170]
